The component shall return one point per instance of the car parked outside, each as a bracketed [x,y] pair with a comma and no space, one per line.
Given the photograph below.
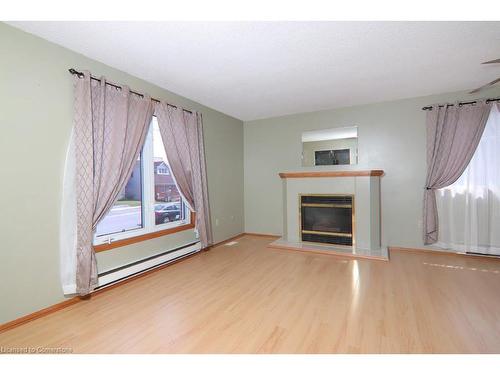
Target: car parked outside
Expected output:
[167,212]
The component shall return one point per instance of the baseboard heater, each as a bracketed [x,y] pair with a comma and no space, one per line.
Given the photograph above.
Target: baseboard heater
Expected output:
[483,254]
[128,270]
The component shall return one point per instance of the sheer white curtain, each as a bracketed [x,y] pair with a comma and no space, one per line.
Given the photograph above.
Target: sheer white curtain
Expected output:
[469,209]
[68,227]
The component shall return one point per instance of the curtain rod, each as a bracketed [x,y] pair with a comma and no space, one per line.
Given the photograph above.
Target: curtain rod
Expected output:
[80,75]
[429,107]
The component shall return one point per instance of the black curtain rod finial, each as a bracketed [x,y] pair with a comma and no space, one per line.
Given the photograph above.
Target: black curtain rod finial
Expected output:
[73,71]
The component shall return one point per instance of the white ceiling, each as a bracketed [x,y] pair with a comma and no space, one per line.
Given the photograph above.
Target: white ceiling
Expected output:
[253,70]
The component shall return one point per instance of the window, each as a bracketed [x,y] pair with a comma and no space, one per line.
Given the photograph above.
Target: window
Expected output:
[150,202]
[126,214]
[168,206]
[162,170]
[469,209]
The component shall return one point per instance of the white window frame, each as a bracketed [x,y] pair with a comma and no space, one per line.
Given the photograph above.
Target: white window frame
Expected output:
[148,197]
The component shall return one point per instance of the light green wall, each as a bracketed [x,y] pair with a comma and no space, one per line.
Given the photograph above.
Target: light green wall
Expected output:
[35,120]
[391,136]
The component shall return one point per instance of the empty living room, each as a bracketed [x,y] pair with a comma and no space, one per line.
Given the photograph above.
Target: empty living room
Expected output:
[195,178]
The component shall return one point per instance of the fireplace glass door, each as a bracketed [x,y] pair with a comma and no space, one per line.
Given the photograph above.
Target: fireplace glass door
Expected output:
[327,219]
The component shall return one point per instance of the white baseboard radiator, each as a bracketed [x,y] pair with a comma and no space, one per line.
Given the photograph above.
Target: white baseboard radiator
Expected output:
[117,274]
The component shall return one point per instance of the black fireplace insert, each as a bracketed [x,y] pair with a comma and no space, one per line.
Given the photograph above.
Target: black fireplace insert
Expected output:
[327,219]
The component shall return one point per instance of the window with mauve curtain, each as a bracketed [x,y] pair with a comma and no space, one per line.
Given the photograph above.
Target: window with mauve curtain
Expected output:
[469,209]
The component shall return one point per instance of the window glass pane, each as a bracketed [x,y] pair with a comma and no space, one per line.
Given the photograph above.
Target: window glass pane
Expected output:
[126,213]
[168,204]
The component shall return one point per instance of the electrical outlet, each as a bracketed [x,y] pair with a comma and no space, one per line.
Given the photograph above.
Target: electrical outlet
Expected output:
[216,222]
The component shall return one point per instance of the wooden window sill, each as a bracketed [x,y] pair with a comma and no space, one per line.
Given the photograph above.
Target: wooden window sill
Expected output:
[145,237]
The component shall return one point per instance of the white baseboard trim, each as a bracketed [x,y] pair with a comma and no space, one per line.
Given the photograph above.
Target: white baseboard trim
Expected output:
[112,276]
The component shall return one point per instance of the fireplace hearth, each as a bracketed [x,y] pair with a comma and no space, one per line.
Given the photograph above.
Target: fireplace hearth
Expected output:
[327,219]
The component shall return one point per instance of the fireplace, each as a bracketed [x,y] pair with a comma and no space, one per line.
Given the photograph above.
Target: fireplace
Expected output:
[327,218]
[332,212]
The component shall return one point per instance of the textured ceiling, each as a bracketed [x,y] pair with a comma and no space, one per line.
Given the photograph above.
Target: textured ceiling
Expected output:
[254,70]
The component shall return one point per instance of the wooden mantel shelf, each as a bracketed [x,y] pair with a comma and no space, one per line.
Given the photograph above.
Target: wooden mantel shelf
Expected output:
[372,172]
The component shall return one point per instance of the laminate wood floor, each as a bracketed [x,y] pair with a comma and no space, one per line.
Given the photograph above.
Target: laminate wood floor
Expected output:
[248,298]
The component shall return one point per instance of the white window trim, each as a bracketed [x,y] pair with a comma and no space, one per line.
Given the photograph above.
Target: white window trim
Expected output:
[148,195]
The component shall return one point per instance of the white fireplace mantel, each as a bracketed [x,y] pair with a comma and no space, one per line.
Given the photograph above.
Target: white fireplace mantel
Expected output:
[364,185]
